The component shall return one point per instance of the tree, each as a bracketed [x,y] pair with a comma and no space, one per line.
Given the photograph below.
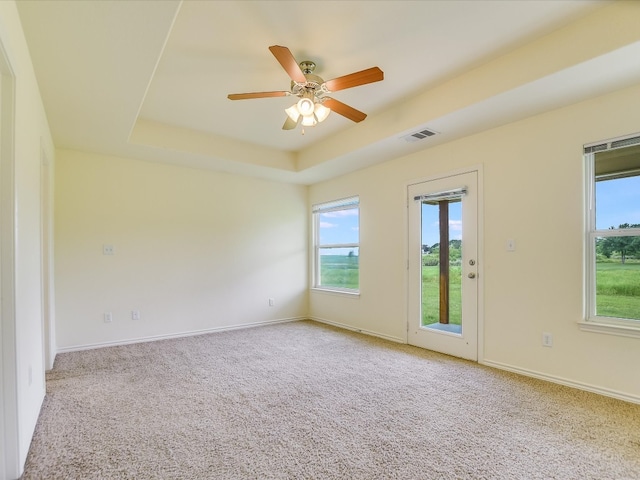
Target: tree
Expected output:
[455,251]
[625,246]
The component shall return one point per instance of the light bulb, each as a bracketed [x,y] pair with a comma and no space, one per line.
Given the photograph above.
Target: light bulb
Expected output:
[305,106]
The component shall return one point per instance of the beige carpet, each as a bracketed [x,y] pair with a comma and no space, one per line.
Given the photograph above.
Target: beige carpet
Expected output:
[307,401]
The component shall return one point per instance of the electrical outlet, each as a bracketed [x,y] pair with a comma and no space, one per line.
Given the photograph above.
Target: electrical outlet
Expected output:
[108,250]
[135,314]
[108,318]
[272,302]
[547,339]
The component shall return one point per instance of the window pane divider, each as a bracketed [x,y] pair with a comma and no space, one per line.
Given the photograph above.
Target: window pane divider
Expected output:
[617,232]
[338,245]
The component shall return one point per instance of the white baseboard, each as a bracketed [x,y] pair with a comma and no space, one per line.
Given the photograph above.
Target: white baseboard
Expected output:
[191,333]
[359,330]
[563,381]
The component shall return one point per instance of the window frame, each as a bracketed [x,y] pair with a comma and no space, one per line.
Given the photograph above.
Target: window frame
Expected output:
[591,321]
[347,203]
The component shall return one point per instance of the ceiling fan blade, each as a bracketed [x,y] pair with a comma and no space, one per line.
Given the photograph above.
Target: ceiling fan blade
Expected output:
[244,96]
[289,124]
[370,75]
[285,57]
[344,110]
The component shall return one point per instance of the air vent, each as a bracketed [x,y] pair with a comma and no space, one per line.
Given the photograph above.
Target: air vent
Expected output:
[422,134]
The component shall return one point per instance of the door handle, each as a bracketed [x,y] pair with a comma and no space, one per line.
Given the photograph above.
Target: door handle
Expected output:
[472,275]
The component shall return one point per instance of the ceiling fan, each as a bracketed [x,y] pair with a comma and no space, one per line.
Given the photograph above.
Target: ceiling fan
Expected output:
[314,104]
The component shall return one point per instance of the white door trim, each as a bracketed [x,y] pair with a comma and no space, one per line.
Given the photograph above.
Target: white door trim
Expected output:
[46,266]
[9,428]
[478,168]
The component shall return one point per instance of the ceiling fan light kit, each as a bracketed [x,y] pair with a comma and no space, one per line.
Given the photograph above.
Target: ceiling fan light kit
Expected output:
[305,106]
[321,112]
[310,109]
[314,106]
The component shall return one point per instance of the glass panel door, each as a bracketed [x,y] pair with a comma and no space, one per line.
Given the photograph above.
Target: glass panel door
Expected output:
[443,265]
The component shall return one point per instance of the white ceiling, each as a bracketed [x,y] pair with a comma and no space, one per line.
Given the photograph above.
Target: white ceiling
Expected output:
[149,79]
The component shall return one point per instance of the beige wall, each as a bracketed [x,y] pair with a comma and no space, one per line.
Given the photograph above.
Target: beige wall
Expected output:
[533,193]
[194,250]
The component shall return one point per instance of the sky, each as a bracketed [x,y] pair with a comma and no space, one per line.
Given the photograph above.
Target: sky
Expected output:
[340,227]
[431,223]
[343,226]
[617,202]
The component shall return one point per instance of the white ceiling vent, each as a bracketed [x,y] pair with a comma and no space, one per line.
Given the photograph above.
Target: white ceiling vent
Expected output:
[420,135]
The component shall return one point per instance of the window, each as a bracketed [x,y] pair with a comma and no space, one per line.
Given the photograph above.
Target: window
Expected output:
[337,245]
[613,238]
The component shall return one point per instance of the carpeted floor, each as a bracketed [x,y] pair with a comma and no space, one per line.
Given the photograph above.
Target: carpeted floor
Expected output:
[307,401]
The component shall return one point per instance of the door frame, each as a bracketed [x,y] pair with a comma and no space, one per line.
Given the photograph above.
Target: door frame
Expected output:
[9,410]
[46,264]
[480,245]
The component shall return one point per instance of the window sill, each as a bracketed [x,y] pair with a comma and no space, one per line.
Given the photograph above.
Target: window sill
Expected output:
[332,291]
[611,328]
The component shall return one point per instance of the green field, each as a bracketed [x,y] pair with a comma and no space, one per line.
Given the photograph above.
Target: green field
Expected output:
[431,295]
[618,292]
[340,271]
[618,289]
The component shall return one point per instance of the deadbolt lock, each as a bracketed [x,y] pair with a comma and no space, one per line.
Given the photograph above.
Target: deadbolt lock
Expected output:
[472,262]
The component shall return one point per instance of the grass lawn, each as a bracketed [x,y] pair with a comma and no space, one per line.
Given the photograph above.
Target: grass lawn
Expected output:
[339,271]
[431,295]
[617,285]
[618,290]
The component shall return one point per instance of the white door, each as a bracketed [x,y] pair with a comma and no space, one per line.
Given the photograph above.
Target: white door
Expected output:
[443,265]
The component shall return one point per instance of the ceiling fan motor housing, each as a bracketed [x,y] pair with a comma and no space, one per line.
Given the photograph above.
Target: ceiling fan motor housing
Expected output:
[313,83]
